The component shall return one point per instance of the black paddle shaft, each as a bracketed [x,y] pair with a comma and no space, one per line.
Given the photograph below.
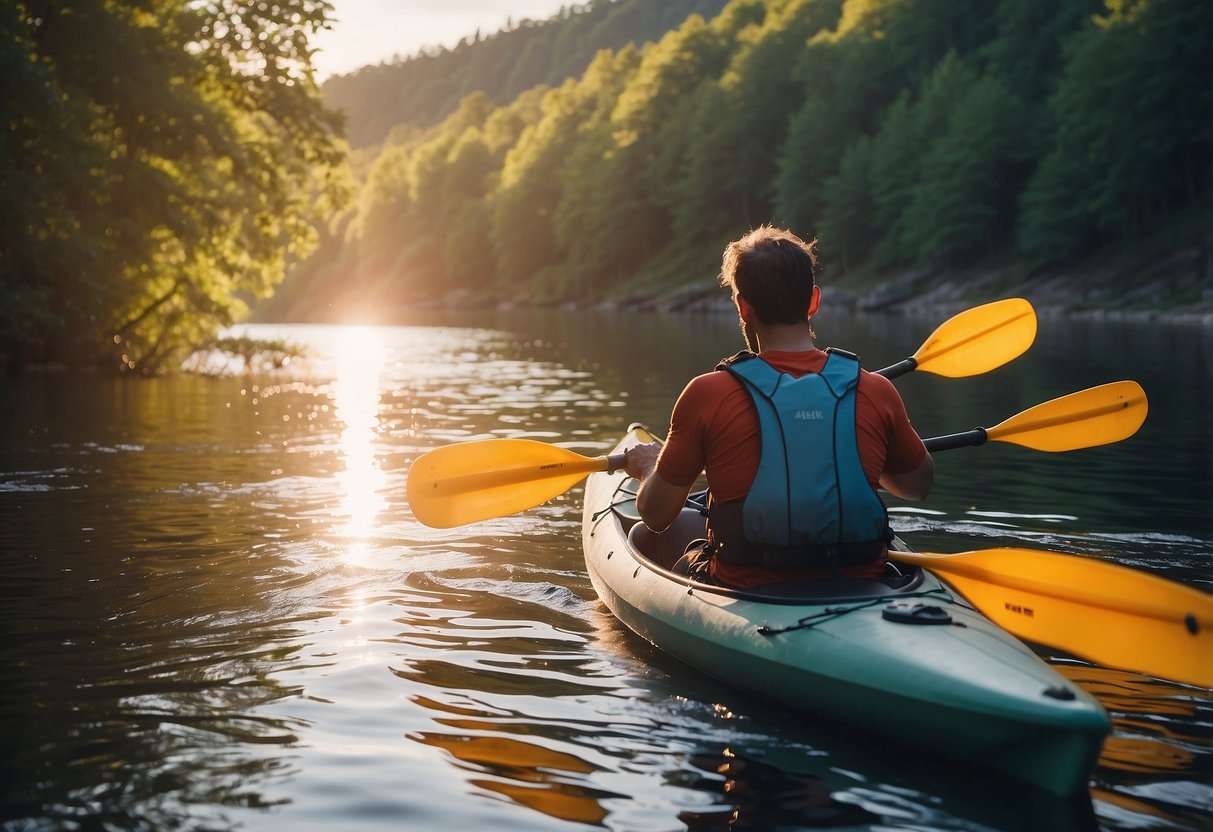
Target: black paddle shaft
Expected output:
[966,439]
[899,369]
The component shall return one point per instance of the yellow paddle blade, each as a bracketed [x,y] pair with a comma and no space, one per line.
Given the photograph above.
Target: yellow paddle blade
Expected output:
[979,340]
[472,481]
[1095,416]
[1108,614]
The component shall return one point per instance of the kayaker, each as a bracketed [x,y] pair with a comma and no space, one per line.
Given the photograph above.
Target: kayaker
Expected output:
[832,435]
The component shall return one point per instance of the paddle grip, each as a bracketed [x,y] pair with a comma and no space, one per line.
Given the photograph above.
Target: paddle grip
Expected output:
[617,462]
[966,439]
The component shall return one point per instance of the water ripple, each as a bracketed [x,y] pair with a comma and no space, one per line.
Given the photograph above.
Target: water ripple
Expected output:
[219,612]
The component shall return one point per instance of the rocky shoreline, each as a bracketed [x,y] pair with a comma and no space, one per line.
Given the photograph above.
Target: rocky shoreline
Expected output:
[1167,294]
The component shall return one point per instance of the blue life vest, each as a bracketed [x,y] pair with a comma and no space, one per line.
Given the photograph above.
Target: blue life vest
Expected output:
[810,503]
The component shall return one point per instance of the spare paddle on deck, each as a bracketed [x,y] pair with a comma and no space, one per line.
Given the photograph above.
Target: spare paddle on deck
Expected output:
[1095,416]
[1108,614]
[472,481]
[974,341]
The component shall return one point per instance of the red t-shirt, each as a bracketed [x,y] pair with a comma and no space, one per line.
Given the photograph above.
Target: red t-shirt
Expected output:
[714,429]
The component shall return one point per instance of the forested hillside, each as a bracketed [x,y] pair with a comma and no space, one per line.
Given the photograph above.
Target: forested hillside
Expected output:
[166,163]
[425,88]
[904,133]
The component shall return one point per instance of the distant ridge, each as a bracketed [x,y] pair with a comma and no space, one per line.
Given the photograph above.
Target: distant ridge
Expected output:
[423,89]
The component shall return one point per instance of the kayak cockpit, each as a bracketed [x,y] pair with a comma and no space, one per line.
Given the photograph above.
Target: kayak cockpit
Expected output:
[659,552]
[853,652]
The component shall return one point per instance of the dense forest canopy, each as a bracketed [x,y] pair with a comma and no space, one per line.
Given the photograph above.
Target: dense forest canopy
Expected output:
[166,162]
[162,164]
[906,134]
[427,87]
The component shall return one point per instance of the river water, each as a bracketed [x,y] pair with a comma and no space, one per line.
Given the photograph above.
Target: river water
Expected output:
[218,612]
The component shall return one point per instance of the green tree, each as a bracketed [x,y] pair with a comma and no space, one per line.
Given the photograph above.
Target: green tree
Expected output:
[1134,129]
[48,177]
[847,222]
[606,225]
[909,127]
[844,92]
[384,198]
[972,176]
[879,49]
[621,217]
[669,69]
[701,187]
[605,216]
[529,188]
[1027,52]
[727,160]
[193,154]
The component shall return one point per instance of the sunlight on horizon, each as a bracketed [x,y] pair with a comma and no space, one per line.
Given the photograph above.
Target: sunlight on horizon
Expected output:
[359,360]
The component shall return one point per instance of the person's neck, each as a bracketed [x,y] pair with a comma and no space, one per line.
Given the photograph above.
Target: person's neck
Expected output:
[785,338]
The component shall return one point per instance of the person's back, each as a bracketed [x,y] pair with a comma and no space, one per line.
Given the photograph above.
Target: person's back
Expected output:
[843,436]
[717,416]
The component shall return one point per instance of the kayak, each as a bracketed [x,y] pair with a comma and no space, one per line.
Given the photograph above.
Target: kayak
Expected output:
[904,657]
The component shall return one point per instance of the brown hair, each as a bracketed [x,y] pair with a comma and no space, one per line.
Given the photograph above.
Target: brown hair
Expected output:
[774,270]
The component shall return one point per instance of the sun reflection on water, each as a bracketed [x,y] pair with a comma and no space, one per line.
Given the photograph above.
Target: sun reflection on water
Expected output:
[359,360]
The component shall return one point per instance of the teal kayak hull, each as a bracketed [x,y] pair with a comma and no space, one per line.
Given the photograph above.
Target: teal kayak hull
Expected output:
[961,687]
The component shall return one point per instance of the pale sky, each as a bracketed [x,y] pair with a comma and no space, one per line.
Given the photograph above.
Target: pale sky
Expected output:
[371,31]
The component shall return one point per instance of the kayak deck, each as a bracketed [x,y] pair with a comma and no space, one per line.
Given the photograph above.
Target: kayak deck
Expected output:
[860,652]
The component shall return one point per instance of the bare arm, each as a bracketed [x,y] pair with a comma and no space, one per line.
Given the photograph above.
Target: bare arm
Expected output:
[912,485]
[659,501]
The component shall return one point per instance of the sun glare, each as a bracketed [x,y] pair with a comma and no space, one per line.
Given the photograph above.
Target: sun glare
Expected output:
[359,360]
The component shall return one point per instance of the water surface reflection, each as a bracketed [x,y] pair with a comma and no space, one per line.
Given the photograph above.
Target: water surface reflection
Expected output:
[218,610]
[359,362]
